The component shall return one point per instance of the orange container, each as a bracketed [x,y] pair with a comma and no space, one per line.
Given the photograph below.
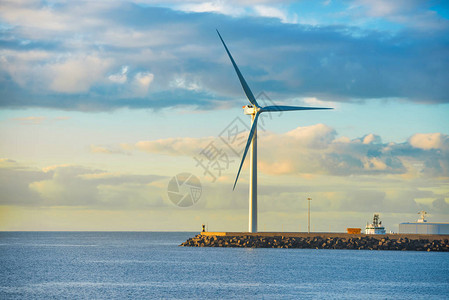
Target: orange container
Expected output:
[354,230]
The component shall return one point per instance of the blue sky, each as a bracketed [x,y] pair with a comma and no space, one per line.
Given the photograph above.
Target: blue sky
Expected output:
[131,91]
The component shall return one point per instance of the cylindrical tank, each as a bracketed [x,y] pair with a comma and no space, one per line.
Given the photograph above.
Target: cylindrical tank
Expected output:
[424,228]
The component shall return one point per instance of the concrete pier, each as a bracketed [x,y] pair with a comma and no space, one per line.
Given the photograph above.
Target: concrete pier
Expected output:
[413,242]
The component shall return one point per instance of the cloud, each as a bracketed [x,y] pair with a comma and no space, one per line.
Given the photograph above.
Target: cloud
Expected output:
[416,14]
[76,186]
[371,138]
[174,146]
[76,75]
[102,56]
[213,6]
[429,141]
[316,149]
[120,77]
[273,12]
[187,82]
[30,120]
[107,149]
[14,181]
[353,194]
[142,83]
[69,74]
[139,84]
[36,120]
[440,205]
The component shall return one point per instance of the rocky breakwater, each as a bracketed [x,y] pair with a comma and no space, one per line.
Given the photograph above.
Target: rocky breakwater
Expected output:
[362,242]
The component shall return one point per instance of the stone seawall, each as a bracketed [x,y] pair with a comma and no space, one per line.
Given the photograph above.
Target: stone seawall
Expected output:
[323,241]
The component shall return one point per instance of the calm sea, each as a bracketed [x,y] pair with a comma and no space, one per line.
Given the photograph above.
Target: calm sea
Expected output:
[116,265]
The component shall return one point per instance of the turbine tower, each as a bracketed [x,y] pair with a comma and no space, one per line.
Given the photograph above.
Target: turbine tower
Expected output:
[254,110]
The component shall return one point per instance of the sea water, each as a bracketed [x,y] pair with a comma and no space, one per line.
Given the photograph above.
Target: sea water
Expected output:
[117,265]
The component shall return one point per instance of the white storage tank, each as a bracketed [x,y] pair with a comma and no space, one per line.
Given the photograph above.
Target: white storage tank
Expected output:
[424,227]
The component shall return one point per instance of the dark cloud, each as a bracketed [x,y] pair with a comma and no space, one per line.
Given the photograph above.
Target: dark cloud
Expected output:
[440,206]
[66,60]
[14,181]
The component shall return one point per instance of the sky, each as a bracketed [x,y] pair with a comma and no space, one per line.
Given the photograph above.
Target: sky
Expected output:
[104,103]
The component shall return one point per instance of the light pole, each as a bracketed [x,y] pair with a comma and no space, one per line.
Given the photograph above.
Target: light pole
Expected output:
[308,223]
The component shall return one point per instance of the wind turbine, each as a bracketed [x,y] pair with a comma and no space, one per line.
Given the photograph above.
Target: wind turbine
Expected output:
[254,110]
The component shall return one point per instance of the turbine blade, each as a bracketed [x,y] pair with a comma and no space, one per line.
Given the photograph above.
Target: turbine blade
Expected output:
[245,86]
[288,108]
[250,138]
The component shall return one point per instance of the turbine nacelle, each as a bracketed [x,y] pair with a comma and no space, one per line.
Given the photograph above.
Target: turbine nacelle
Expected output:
[250,110]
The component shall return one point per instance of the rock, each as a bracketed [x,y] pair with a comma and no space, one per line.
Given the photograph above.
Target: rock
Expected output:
[317,242]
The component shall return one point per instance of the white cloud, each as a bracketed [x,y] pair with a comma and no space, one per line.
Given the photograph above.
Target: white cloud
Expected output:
[30,13]
[222,7]
[381,8]
[273,12]
[267,9]
[429,141]
[77,74]
[317,150]
[142,82]
[371,139]
[314,101]
[412,13]
[66,73]
[144,78]
[120,77]
[314,136]
[45,20]
[186,81]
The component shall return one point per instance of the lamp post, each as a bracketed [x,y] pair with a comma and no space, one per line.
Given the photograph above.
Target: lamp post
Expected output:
[308,223]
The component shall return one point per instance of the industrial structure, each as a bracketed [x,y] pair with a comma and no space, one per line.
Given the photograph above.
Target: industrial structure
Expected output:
[423,227]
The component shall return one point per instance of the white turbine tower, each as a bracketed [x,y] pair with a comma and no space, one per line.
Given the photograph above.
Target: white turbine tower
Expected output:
[255,110]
